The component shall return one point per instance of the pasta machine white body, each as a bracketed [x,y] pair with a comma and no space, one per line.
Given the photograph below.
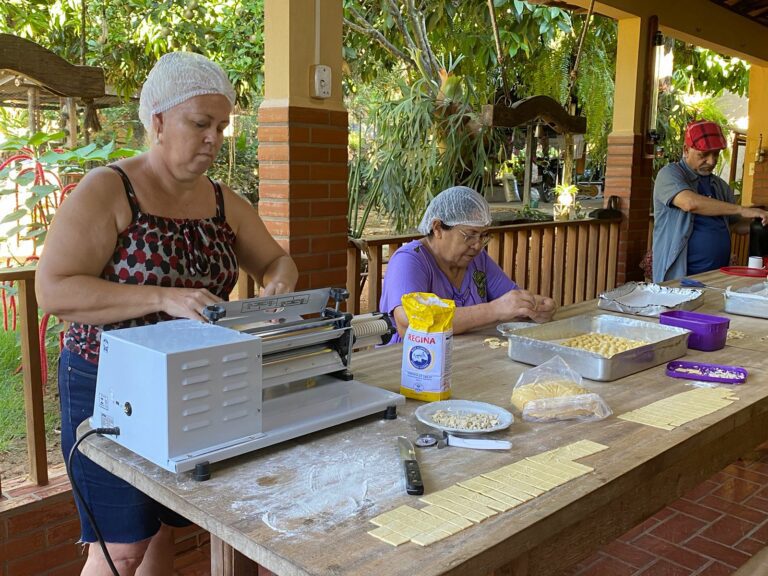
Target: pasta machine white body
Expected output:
[270,369]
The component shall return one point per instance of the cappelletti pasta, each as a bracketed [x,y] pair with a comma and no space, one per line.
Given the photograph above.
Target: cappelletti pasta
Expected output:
[604,344]
[465,420]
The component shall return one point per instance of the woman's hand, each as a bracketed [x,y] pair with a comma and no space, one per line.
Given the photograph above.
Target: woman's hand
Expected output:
[187,302]
[276,287]
[515,304]
[523,304]
[544,309]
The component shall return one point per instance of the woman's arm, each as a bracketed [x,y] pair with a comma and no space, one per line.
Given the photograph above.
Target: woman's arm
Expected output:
[257,251]
[79,243]
[514,304]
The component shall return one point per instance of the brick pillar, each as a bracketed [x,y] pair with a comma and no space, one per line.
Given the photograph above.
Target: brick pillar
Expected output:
[628,176]
[303,189]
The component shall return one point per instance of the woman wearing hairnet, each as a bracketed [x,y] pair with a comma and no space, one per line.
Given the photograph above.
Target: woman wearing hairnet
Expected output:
[451,263]
[143,240]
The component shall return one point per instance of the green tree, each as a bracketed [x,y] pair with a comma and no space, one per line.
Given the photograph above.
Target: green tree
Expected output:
[435,64]
[126,37]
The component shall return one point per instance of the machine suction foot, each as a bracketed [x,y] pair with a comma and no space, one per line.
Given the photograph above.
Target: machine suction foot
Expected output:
[390,413]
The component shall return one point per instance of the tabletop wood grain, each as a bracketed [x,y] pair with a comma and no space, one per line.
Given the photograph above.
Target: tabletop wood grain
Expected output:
[304,507]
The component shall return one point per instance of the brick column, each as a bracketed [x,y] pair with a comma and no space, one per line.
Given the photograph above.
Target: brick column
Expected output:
[628,176]
[628,166]
[303,139]
[303,189]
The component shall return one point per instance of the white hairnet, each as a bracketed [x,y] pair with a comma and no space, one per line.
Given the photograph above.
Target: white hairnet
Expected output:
[175,78]
[456,205]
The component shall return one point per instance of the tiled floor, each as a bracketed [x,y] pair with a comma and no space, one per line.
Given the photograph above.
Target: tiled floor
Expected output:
[711,531]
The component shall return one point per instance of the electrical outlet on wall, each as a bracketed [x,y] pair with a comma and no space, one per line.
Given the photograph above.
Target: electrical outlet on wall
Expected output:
[320,81]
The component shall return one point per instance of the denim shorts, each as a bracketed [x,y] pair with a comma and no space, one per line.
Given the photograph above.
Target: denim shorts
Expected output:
[123,513]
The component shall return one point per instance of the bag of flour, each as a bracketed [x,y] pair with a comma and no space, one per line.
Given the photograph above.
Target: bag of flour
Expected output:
[427,347]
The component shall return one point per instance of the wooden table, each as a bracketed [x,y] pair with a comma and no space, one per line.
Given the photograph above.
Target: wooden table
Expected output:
[304,506]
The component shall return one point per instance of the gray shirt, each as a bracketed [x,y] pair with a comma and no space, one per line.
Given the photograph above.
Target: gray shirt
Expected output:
[672,227]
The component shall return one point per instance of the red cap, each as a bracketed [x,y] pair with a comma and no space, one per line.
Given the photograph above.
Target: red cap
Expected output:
[704,136]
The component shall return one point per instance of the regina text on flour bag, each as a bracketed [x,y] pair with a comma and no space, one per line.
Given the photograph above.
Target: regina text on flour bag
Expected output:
[427,347]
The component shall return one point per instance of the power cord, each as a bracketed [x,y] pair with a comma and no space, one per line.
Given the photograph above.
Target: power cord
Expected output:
[112,432]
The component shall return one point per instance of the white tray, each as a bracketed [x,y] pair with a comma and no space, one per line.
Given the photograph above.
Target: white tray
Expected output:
[424,414]
[646,299]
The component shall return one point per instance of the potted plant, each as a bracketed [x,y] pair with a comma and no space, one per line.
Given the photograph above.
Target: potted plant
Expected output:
[508,173]
[565,206]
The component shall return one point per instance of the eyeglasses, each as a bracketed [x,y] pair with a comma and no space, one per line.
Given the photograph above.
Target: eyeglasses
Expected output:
[471,239]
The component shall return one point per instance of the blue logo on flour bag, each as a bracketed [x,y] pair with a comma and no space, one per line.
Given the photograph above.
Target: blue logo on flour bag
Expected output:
[419,357]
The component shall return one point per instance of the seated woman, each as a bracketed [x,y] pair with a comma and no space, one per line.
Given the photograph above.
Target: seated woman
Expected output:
[450,262]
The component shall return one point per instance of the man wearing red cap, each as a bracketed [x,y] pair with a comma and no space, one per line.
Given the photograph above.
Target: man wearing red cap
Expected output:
[694,209]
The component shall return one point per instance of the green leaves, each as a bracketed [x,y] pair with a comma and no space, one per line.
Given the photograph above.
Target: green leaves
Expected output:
[35,174]
[126,37]
[13,216]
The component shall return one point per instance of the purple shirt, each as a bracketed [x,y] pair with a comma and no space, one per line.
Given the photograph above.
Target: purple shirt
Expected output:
[413,269]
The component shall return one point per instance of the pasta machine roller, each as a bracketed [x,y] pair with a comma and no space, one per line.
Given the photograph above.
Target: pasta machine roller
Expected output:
[262,371]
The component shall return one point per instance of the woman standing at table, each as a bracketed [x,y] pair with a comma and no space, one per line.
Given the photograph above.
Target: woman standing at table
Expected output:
[450,261]
[143,240]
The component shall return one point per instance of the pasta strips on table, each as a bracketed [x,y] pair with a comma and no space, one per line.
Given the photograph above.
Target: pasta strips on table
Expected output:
[604,344]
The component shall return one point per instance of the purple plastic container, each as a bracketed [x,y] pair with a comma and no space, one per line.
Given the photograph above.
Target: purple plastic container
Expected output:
[707,332]
[707,372]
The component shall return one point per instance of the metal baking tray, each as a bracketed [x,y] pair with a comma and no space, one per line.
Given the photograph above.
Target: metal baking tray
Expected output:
[646,299]
[540,343]
[748,301]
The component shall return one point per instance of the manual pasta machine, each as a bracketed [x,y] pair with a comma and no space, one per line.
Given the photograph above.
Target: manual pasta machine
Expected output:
[264,370]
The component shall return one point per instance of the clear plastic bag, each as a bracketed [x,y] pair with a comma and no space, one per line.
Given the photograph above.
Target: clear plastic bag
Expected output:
[554,391]
[583,407]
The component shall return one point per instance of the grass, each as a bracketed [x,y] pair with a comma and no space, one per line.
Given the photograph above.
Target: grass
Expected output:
[13,431]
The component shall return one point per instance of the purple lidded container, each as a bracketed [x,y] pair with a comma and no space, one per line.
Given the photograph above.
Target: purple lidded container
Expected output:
[707,372]
[708,332]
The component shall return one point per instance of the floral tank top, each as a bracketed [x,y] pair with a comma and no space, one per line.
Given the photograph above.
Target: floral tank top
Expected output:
[158,251]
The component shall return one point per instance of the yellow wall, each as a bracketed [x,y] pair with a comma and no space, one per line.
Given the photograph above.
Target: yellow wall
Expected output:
[631,75]
[289,46]
[758,123]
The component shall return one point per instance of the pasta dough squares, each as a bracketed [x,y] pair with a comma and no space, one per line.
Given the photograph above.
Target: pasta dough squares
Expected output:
[557,474]
[480,498]
[681,408]
[430,537]
[471,501]
[580,449]
[455,496]
[566,466]
[482,481]
[448,516]
[406,527]
[386,535]
[520,472]
[399,513]
[520,485]
[456,508]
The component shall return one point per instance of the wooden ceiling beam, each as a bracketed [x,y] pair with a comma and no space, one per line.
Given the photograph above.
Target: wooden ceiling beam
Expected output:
[533,109]
[52,72]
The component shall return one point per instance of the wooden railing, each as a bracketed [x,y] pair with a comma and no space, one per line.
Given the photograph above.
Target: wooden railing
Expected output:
[31,370]
[568,261]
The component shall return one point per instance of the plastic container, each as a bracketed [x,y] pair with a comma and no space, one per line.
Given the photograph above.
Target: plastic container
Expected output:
[708,332]
[707,372]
